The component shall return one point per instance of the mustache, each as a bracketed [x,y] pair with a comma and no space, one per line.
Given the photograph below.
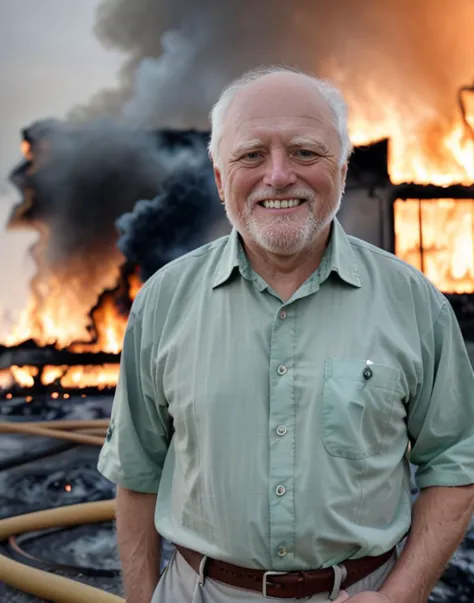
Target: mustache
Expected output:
[265,194]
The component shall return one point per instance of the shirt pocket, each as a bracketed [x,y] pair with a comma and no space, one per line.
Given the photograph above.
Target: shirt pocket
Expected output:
[357,403]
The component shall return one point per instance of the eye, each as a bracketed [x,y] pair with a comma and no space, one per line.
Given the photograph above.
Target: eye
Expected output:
[306,154]
[252,155]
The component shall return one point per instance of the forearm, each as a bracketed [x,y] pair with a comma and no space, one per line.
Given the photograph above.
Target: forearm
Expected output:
[139,544]
[440,519]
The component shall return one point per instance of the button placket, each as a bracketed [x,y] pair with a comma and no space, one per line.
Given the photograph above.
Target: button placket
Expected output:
[281,416]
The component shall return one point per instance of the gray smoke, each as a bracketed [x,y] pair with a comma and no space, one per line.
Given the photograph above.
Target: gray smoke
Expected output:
[182,52]
[83,177]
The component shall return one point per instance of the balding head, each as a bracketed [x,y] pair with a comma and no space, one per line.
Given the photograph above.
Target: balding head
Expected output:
[268,83]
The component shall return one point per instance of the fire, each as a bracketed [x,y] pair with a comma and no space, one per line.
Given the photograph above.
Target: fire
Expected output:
[427,148]
[26,150]
[66,377]
[424,148]
[135,285]
[443,248]
[59,316]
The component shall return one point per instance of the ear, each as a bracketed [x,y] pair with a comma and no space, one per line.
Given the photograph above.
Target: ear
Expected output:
[219,182]
[343,173]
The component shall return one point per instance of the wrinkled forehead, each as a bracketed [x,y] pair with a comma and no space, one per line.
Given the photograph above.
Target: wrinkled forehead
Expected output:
[282,109]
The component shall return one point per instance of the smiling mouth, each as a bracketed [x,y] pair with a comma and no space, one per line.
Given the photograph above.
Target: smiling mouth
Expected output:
[281,204]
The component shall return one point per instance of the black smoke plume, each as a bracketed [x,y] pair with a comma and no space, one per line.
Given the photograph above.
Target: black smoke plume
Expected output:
[181,218]
[78,180]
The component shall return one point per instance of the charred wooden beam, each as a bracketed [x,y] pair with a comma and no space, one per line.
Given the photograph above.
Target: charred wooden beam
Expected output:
[29,353]
[409,190]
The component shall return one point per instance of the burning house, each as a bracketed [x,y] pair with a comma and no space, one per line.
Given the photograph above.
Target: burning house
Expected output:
[125,185]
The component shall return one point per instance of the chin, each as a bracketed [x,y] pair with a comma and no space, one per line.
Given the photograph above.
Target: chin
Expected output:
[281,243]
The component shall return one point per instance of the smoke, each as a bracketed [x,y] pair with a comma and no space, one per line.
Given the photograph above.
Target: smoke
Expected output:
[81,179]
[178,220]
[85,177]
[384,54]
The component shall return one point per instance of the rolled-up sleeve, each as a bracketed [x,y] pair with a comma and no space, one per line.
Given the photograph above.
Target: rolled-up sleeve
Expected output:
[441,414]
[137,441]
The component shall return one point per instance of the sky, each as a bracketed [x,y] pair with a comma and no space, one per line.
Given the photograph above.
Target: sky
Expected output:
[49,62]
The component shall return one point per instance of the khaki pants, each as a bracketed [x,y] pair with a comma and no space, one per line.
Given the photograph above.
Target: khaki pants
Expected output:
[180,584]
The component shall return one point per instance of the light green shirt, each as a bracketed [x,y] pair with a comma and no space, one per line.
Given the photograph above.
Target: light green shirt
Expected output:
[276,433]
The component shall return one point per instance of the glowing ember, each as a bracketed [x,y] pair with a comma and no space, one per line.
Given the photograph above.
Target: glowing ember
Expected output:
[444,250]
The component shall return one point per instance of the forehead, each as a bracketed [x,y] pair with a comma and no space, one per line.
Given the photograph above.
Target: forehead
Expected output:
[280,108]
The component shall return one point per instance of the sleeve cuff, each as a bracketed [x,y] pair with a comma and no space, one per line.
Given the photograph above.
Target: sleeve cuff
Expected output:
[138,483]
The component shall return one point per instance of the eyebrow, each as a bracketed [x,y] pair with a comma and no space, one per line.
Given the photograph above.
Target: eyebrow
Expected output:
[247,147]
[301,141]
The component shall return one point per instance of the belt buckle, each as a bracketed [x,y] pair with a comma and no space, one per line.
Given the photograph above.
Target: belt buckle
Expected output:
[266,583]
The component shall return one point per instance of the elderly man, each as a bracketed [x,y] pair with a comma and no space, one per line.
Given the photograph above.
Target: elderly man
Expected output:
[276,383]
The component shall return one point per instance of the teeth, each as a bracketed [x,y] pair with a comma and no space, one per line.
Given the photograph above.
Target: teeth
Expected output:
[276,204]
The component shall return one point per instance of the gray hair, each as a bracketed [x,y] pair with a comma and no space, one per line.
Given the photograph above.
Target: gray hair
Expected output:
[328,91]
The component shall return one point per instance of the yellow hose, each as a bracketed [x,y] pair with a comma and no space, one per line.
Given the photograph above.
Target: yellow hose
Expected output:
[44,584]
[98,431]
[37,582]
[71,424]
[50,432]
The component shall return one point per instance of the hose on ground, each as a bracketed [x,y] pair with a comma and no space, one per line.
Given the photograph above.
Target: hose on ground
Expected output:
[88,427]
[44,584]
[37,582]
[16,543]
[50,432]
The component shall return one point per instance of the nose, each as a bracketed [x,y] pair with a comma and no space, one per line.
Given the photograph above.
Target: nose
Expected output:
[279,172]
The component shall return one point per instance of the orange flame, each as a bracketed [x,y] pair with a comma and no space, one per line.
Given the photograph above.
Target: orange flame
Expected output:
[67,377]
[444,248]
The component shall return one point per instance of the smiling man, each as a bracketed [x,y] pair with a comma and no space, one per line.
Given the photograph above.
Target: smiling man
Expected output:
[276,383]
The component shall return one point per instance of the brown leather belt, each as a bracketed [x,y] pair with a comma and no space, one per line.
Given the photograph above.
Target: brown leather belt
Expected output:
[283,585]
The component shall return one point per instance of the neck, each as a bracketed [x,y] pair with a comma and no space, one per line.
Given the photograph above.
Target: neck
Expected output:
[286,273]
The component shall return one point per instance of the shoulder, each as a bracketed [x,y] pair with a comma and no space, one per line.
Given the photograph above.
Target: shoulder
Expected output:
[193,269]
[400,279]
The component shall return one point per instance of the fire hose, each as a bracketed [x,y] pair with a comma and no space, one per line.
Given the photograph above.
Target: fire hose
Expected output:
[40,583]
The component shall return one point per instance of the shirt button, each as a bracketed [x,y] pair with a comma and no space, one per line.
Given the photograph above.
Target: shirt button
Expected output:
[281,430]
[282,369]
[280,490]
[282,551]
[283,314]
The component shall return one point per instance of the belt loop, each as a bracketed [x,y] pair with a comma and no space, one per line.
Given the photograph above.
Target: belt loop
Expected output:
[340,574]
[202,567]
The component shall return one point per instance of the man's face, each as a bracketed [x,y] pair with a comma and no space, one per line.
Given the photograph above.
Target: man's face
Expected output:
[279,171]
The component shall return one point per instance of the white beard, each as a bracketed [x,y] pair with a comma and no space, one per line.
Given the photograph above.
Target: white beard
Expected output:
[282,235]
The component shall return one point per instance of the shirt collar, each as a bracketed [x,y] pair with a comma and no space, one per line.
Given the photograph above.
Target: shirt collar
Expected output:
[339,258]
